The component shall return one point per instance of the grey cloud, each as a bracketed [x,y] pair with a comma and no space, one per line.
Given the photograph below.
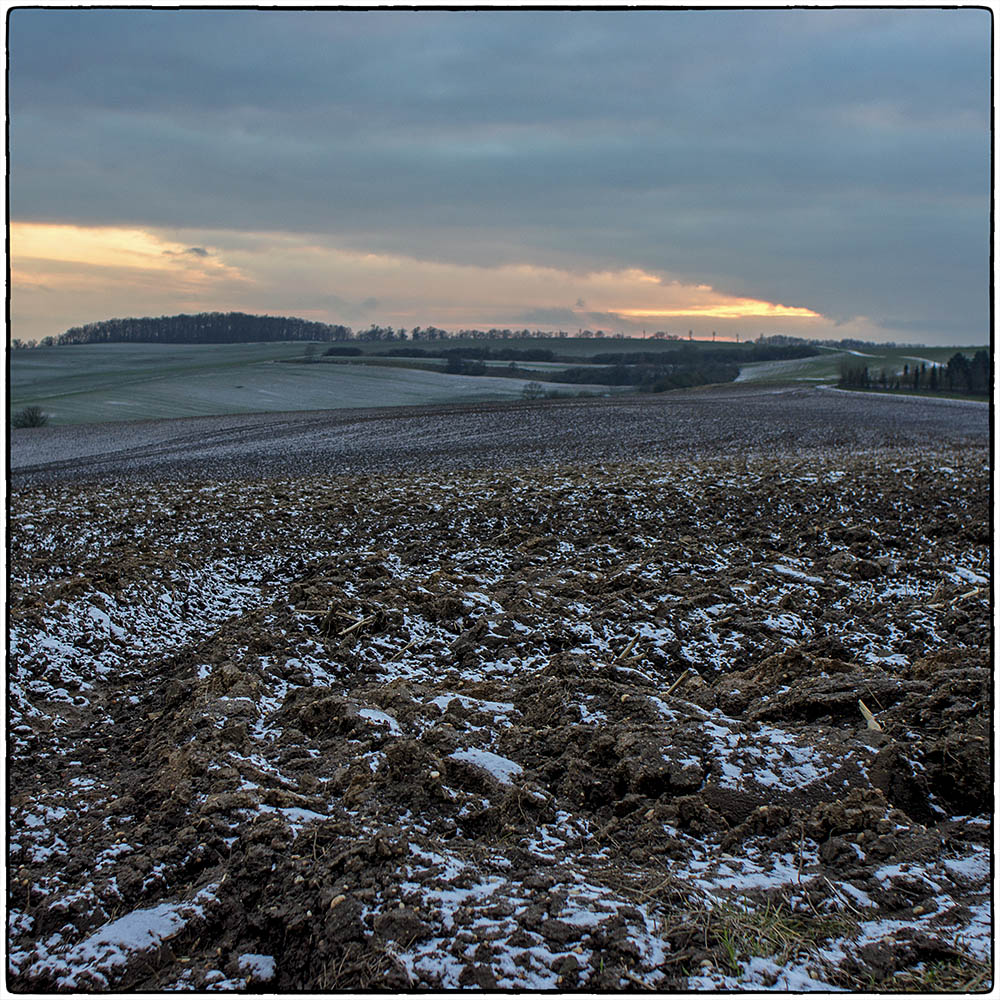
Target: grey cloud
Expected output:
[551,316]
[610,322]
[923,327]
[344,310]
[833,159]
[189,252]
[553,67]
[197,252]
[571,320]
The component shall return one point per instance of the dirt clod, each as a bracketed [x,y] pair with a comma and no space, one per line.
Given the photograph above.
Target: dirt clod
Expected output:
[571,726]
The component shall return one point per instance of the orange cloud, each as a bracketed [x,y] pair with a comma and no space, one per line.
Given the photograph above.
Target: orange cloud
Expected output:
[107,247]
[62,275]
[729,309]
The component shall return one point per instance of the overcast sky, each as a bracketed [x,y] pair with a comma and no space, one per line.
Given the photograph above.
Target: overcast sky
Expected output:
[824,173]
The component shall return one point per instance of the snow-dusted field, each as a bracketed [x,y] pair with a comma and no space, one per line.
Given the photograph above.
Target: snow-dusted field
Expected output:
[826,367]
[88,383]
[579,721]
[720,421]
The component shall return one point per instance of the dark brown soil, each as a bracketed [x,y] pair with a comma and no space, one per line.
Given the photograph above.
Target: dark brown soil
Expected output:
[559,727]
[711,421]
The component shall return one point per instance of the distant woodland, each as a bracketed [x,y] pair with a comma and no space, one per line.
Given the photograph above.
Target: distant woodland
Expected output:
[238,327]
[683,363]
[203,328]
[962,375]
[669,367]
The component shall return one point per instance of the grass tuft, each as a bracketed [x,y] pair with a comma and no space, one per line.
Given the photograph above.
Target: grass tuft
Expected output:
[959,974]
[744,930]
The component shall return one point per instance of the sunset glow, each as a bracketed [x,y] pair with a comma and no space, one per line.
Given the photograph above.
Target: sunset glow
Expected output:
[104,246]
[99,246]
[731,309]
[103,271]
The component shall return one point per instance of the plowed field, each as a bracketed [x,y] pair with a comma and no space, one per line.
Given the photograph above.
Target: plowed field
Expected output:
[715,720]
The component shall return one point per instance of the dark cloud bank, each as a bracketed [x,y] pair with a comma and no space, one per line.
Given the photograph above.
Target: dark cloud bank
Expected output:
[837,159]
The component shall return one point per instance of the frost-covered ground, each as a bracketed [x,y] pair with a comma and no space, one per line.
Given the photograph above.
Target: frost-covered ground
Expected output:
[827,366]
[569,726]
[721,421]
[125,382]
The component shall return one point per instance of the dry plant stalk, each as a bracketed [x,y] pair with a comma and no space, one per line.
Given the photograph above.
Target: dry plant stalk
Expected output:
[400,652]
[626,650]
[670,689]
[955,600]
[870,719]
[357,624]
